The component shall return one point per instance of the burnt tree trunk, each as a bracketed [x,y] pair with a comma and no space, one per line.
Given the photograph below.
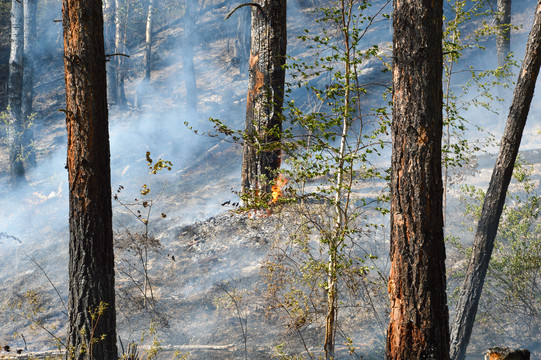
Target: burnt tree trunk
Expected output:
[109,35]
[503,39]
[91,264]
[187,55]
[265,95]
[418,326]
[30,11]
[15,91]
[487,226]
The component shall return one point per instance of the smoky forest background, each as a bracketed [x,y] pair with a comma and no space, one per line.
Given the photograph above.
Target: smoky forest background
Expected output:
[286,257]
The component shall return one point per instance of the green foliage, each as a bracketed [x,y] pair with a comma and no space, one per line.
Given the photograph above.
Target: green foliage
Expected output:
[133,247]
[511,301]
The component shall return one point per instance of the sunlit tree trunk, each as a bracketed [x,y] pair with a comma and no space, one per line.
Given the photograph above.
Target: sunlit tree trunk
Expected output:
[148,41]
[265,95]
[109,14]
[503,40]
[91,335]
[187,54]
[121,17]
[30,10]
[418,326]
[495,197]
[15,90]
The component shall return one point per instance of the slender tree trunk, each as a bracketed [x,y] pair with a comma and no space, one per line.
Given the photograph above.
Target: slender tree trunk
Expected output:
[265,95]
[503,40]
[109,35]
[91,264]
[148,41]
[418,326]
[15,90]
[495,197]
[187,54]
[121,17]
[242,42]
[30,11]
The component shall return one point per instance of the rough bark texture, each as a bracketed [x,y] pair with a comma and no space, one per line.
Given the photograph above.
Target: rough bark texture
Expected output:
[91,264]
[15,91]
[503,40]
[265,94]
[109,36]
[187,54]
[30,11]
[495,196]
[418,327]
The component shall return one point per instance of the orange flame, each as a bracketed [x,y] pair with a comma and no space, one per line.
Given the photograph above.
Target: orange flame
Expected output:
[279,183]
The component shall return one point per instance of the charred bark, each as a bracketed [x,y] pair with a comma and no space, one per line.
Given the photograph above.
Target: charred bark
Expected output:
[109,36]
[418,326]
[487,226]
[187,55]
[265,95]
[30,11]
[91,263]
[15,91]
[503,40]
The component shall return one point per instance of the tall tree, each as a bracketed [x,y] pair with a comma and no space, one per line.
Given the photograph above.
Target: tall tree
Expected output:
[503,40]
[109,14]
[15,91]
[148,41]
[487,226]
[187,54]
[418,326]
[91,263]
[121,18]
[265,94]
[30,12]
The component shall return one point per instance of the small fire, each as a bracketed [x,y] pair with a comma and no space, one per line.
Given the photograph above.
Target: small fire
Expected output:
[279,183]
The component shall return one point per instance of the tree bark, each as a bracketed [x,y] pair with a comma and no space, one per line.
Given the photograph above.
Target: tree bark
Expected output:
[109,35]
[148,41]
[503,39]
[91,263]
[418,326]
[187,55]
[487,226]
[265,95]
[15,91]
[30,11]
[121,17]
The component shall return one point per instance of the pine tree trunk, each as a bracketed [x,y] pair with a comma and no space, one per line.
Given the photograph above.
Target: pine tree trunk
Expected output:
[418,326]
[487,226]
[91,263]
[187,55]
[30,11]
[15,91]
[109,35]
[503,40]
[265,95]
